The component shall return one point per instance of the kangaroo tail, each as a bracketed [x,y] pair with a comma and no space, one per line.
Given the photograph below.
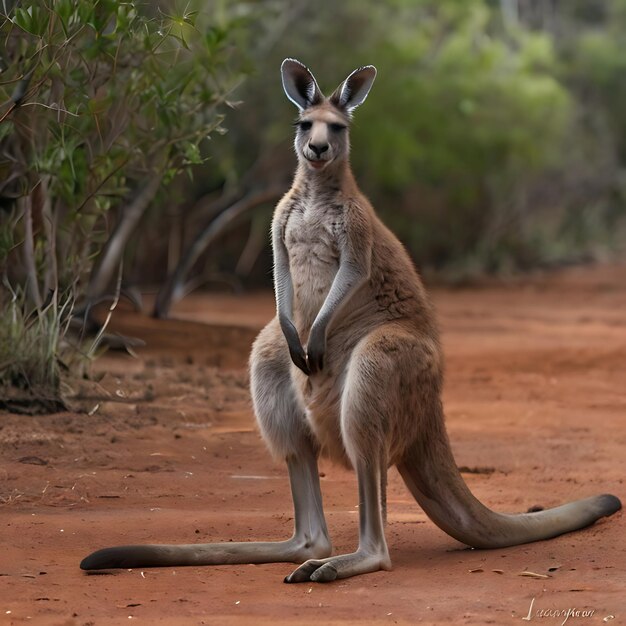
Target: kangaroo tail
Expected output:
[142,556]
[429,471]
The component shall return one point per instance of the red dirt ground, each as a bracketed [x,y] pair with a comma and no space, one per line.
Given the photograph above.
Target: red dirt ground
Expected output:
[536,403]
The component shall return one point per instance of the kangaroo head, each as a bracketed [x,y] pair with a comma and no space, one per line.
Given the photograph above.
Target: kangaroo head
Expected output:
[322,126]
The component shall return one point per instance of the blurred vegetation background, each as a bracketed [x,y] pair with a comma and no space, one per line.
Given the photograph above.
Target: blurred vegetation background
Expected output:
[144,144]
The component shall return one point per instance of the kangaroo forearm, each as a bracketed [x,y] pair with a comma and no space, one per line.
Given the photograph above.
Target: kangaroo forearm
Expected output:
[347,281]
[283,289]
[283,284]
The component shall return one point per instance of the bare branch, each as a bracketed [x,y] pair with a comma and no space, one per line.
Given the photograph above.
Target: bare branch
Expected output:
[173,286]
[114,248]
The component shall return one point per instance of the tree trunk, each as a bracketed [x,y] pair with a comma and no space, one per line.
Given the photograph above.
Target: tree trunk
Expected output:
[254,246]
[30,264]
[110,257]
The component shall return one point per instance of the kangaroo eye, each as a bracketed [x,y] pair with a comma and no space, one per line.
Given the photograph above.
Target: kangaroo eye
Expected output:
[305,125]
[337,128]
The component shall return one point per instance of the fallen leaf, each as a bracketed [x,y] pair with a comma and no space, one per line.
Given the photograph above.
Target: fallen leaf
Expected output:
[32,460]
[464,469]
[533,575]
[498,571]
[474,571]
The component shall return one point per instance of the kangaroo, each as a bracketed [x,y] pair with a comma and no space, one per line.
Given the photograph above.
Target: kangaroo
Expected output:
[366,389]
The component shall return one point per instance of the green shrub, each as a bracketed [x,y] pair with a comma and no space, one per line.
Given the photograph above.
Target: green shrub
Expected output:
[104,105]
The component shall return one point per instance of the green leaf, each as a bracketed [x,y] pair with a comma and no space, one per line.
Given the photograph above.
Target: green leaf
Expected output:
[33,19]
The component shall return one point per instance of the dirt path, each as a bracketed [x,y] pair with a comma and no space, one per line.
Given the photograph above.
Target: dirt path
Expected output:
[536,406]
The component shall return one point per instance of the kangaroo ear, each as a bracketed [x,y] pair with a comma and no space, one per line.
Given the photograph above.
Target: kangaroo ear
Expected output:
[299,84]
[353,91]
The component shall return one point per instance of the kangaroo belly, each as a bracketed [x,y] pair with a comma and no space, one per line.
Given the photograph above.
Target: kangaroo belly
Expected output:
[310,291]
[311,241]
[313,263]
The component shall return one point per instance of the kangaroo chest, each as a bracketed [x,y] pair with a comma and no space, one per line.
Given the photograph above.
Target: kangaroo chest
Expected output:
[312,237]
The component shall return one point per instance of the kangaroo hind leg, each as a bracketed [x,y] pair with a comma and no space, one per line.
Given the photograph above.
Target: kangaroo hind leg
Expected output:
[282,421]
[368,412]
[283,425]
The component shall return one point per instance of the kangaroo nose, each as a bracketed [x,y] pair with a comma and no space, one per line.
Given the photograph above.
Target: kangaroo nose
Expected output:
[319,149]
